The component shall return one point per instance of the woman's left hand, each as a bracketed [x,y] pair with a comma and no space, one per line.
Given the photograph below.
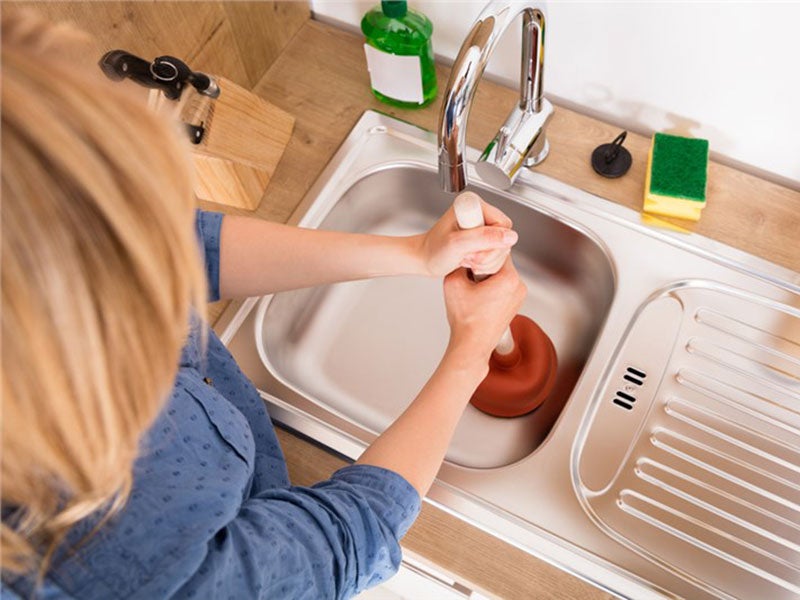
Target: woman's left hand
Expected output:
[445,247]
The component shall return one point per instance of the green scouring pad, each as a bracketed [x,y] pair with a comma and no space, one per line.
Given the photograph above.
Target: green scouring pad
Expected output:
[677,172]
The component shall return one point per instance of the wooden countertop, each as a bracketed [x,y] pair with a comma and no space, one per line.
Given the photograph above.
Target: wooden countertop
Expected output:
[321,78]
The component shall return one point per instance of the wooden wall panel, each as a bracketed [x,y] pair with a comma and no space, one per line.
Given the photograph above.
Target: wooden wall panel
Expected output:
[262,30]
[237,40]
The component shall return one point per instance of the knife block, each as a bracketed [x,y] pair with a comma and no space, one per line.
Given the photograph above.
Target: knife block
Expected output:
[243,139]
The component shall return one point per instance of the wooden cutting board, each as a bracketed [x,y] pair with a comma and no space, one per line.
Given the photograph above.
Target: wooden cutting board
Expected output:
[243,140]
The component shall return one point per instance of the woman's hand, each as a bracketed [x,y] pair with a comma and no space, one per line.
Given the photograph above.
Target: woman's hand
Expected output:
[484,249]
[415,444]
[479,312]
[259,257]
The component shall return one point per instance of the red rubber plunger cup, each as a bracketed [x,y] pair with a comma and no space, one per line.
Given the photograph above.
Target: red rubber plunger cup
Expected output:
[519,382]
[522,369]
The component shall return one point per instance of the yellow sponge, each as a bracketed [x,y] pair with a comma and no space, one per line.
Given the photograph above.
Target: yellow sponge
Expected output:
[677,172]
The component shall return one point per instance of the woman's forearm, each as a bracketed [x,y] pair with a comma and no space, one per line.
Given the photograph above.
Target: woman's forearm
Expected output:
[415,444]
[259,257]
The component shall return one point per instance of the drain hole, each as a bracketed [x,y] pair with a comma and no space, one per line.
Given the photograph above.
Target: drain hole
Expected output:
[632,379]
[624,400]
[625,396]
[637,372]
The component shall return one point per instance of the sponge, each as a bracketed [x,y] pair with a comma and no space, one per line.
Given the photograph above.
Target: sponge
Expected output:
[677,172]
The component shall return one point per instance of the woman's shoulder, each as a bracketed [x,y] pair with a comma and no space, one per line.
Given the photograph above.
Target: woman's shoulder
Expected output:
[197,424]
[193,474]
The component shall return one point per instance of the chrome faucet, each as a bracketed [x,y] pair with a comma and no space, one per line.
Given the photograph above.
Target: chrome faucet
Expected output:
[521,140]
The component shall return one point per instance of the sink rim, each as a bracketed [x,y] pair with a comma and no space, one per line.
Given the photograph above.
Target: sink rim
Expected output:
[588,495]
[592,258]
[374,122]
[558,548]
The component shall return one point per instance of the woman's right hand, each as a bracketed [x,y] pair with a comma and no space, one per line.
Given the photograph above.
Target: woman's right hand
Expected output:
[415,444]
[479,312]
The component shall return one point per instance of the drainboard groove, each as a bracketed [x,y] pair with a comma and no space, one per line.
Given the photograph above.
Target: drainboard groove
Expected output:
[769,384]
[736,421]
[628,503]
[673,406]
[727,393]
[725,474]
[745,331]
[714,465]
[714,511]
[717,492]
[747,354]
[781,374]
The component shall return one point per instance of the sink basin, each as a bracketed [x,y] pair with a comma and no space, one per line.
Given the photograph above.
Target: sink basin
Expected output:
[666,462]
[372,345]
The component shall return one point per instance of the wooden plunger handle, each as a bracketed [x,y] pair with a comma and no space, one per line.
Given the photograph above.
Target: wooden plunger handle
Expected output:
[469,214]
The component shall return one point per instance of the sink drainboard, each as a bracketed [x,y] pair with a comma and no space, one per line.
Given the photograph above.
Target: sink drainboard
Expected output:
[697,460]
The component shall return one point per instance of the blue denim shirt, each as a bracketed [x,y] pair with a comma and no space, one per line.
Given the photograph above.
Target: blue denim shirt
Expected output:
[212,513]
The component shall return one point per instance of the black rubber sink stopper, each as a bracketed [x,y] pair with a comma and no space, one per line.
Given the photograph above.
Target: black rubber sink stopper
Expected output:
[612,160]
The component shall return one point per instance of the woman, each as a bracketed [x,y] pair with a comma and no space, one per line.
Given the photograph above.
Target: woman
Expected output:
[137,459]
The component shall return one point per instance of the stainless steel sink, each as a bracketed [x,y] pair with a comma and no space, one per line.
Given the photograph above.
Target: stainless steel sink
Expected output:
[364,350]
[667,459]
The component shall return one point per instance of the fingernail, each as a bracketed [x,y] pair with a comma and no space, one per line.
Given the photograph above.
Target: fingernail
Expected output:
[510,237]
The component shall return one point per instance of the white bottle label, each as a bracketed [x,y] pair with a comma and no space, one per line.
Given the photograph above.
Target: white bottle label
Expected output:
[398,77]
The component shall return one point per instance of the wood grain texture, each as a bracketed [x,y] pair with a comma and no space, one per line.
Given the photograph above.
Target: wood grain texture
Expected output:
[752,214]
[196,32]
[262,30]
[244,141]
[237,40]
[245,128]
[228,182]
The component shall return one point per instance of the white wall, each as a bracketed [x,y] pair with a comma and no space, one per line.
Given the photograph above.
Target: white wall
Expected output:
[725,71]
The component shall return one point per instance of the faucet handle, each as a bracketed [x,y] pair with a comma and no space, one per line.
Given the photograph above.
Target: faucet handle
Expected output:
[521,141]
[502,140]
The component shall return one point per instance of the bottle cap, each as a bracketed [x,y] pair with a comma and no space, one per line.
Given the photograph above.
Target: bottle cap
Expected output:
[612,160]
[394,8]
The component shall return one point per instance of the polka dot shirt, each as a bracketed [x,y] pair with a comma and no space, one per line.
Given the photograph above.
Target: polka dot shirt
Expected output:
[212,513]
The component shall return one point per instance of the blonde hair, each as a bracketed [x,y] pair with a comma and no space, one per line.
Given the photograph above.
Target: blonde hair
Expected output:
[100,270]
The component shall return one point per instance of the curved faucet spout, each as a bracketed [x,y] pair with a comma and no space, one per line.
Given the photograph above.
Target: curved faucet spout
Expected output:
[523,134]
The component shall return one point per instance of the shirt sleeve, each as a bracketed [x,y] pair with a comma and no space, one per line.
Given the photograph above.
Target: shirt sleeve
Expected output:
[332,540]
[194,528]
[208,225]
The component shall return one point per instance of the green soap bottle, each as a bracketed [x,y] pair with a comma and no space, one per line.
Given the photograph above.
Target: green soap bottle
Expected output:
[399,55]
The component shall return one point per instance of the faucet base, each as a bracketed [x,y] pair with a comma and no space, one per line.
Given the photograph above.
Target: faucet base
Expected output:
[520,142]
[538,153]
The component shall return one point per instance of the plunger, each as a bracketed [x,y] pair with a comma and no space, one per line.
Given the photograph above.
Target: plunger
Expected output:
[522,368]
